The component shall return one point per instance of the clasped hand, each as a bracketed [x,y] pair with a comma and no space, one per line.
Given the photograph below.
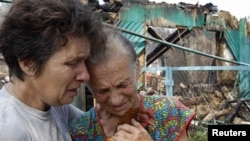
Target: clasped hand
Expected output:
[133,132]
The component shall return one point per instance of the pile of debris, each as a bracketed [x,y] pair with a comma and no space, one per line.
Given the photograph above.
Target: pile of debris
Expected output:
[220,106]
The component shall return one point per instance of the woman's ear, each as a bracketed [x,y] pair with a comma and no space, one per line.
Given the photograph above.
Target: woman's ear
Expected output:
[27,67]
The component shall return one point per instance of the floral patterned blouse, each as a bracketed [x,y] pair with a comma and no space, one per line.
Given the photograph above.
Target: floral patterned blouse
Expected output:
[171,120]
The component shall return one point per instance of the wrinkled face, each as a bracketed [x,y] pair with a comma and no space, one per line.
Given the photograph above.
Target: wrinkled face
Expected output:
[63,74]
[114,85]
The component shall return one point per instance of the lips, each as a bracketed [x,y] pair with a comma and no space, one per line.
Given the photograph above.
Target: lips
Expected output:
[120,108]
[72,92]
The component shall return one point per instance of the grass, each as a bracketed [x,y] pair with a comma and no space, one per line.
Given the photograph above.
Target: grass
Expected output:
[197,133]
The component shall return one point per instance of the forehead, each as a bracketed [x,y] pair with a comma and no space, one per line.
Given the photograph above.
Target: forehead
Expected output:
[75,48]
[111,71]
[78,42]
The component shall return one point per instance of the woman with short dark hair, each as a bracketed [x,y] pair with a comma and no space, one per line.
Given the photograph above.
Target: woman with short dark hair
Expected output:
[45,44]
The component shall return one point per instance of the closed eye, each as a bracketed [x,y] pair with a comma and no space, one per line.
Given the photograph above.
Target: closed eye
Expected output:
[123,86]
[102,92]
[71,63]
[74,63]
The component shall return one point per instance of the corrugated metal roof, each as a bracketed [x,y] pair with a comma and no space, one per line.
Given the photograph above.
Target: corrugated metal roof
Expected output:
[239,42]
[134,17]
[136,27]
[232,38]
[240,46]
[169,15]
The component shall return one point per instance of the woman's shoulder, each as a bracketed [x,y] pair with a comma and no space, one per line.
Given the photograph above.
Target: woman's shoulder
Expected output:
[14,125]
[85,118]
[86,127]
[155,99]
[162,104]
[14,132]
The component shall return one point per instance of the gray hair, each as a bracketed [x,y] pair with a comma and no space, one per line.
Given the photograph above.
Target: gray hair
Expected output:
[116,45]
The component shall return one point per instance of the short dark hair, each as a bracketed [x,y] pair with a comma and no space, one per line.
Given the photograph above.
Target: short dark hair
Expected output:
[36,29]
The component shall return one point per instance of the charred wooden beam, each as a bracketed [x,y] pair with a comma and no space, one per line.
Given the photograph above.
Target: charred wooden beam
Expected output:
[161,48]
[153,33]
[232,114]
[236,108]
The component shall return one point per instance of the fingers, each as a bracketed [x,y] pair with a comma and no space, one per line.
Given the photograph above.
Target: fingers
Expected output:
[135,125]
[142,117]
[134,132]
[145,119]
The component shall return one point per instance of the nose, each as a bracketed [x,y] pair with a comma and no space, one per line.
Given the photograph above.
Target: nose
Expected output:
[82,73]
[115,96]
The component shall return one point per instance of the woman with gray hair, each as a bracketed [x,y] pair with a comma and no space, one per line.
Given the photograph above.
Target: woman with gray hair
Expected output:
[120,113]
